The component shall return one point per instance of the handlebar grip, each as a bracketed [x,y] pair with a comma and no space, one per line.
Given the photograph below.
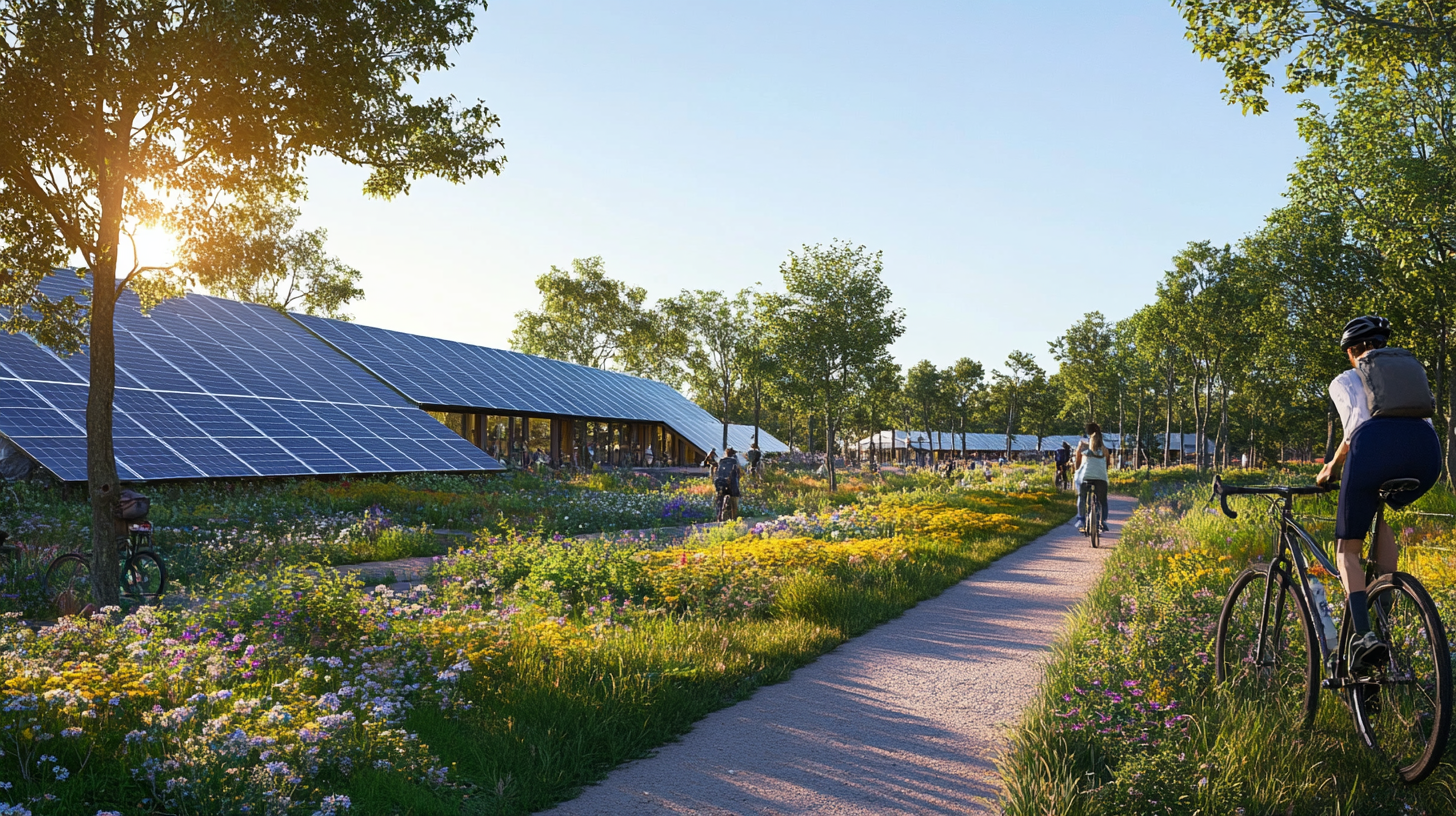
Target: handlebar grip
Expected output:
[1222,498]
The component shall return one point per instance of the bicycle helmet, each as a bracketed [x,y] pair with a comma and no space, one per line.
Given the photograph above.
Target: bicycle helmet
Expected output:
[1364,328]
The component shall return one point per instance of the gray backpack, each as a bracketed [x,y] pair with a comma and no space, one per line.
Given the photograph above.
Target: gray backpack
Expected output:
[1396,384]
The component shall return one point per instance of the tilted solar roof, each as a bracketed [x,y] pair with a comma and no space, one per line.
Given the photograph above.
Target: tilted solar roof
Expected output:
[449,374]
[209,387]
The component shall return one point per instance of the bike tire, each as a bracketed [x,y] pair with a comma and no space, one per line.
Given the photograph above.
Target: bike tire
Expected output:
[1406,713]
[1288,675]
[67,584]
[144,577]
[1094,521]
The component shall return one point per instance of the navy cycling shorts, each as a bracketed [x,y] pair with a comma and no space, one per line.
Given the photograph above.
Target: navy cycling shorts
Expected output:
[1382,449]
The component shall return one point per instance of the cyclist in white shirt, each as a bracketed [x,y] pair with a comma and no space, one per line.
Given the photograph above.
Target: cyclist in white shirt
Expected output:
[1374,451]
[1091,474]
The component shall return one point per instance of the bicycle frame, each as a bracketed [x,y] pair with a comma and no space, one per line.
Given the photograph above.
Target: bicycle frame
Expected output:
[1295,544]
[1295,547]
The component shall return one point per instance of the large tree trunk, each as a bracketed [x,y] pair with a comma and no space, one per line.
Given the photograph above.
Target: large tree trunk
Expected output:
[100,452]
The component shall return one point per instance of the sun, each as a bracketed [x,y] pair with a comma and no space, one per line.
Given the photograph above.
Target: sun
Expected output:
[155,246]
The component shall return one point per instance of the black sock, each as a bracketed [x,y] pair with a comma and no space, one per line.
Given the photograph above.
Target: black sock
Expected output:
[1359,612]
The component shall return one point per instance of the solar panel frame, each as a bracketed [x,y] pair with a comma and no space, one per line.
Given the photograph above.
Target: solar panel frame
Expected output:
[208,387]
[459,376]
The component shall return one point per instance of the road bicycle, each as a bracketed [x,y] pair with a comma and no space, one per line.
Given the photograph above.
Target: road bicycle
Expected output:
[1277,640]
[143,573]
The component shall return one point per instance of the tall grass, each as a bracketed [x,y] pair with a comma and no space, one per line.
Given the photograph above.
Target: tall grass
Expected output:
[555,720]
[1130,720]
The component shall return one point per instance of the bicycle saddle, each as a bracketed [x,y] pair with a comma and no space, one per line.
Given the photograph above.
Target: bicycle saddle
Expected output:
[1395,486]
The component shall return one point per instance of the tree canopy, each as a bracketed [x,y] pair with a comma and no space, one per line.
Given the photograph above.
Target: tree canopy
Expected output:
[117,114]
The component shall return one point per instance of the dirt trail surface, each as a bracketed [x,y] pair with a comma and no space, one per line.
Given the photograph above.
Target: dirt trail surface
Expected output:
[905,719]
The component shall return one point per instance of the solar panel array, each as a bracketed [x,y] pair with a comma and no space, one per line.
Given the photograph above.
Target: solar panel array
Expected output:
[450,374]
[209,387]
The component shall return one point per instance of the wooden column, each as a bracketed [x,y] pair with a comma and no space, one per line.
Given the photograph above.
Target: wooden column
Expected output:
[556,442]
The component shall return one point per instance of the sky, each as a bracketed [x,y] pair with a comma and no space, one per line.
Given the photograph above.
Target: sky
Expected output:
[1019,164]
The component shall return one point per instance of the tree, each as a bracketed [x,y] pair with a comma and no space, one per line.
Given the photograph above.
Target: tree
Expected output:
[1021,376]
[924,388]
[965,382]
[118,114]
[592,320]
[1323,42]
[831,324]
[252,252]
[1084,353]
[717,329]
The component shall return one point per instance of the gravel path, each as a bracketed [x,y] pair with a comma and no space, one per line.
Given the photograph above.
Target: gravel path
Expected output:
[905,719]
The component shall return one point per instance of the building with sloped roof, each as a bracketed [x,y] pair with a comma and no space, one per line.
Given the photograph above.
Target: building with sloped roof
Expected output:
[209,387]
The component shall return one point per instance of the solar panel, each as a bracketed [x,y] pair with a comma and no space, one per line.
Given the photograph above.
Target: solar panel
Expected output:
[445,373]
[208,387]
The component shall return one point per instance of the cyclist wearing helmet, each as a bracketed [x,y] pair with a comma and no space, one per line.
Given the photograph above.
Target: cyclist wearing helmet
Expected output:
[1376,448]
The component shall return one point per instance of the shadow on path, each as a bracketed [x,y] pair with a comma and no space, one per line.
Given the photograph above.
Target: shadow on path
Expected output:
[904,719]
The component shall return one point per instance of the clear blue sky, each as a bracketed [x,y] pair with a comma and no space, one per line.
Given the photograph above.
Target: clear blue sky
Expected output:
[1018,163]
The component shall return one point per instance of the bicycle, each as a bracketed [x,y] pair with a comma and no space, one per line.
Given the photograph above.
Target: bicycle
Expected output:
[1093,530]
[143,574]
[1062,481]
[1268,643]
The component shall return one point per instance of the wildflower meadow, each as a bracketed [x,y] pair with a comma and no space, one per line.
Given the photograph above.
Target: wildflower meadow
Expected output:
[528,664]
[1130,719]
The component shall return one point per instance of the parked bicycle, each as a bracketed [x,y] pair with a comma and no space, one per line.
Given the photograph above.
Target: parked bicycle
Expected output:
[1277,640]
[143,573]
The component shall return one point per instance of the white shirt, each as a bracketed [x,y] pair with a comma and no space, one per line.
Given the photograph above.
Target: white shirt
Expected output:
[1348,392]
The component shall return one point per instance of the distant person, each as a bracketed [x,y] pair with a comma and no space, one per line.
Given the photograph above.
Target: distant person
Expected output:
[755,460]
[726,484]
[1092,475]
[1063,458]
[1244,461]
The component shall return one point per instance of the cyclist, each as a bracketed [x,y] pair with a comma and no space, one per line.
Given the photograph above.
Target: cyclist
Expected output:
[1064,457]
[1091,474]
[726,483]
[755,460]
[1390,440]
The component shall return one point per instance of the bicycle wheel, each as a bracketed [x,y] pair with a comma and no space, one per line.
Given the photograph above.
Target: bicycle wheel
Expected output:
[1405,711]
[144,577]
[68,584]
[1094,521]
[1283,667]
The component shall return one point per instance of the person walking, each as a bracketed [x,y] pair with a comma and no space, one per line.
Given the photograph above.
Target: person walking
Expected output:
[1092,474]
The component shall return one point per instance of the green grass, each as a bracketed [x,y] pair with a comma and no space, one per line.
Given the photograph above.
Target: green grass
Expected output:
[1149,623]
[552,723]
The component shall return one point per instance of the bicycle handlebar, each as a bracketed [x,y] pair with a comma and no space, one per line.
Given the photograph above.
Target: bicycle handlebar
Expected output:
[1223,491]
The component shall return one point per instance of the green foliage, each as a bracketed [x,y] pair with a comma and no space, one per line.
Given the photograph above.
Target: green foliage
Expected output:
[830,327]
[590,319]
[1129,718]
